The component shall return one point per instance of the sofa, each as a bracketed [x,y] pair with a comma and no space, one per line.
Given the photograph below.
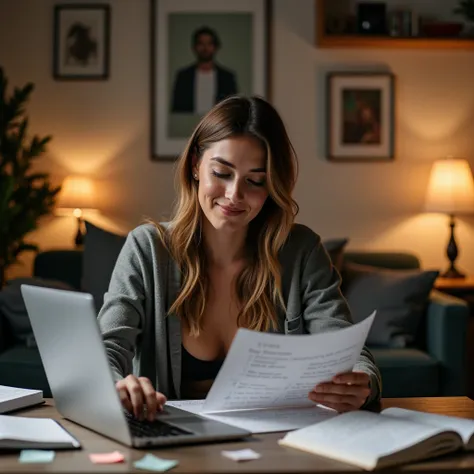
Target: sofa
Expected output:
[433,365]
[436,363]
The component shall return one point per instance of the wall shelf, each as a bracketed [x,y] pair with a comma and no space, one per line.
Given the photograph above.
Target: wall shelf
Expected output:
[349,41]
[324,40]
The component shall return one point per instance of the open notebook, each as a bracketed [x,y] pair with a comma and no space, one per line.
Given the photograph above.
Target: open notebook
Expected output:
[18,432]
[395,436]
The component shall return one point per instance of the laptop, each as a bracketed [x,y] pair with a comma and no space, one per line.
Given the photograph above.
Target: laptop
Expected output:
[75,361]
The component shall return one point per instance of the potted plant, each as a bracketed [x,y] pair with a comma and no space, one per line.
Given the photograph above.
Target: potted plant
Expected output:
[25,195]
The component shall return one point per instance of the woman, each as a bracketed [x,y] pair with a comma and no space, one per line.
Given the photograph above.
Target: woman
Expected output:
[230,257]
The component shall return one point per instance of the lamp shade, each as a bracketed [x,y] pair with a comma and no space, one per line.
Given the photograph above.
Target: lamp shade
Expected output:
[451,187]
[77,192]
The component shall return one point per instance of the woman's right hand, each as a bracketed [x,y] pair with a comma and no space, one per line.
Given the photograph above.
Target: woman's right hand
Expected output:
[138,394]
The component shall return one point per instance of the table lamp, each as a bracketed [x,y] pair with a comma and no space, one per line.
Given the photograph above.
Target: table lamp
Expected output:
[77,195]
[451,191]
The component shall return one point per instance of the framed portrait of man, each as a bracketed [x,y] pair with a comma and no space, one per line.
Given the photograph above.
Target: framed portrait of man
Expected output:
[203,52]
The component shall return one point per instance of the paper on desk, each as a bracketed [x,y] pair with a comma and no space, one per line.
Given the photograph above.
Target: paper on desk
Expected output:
[241,455]
[265,370]
[107,458]
[262,421]
[30,456]
[150,462]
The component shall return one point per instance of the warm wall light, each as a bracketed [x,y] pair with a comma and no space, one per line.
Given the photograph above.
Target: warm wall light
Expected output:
[77,195]
[451,191]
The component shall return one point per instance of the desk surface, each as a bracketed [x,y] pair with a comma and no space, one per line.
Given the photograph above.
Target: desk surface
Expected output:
[455,284]
[207,458]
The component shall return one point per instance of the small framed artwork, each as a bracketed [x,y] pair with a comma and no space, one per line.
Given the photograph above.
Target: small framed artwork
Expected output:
[360,116]
[81,48]
[203,52]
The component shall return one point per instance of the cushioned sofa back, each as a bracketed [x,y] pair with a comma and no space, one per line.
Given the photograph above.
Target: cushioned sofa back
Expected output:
[63,265]
[392,260]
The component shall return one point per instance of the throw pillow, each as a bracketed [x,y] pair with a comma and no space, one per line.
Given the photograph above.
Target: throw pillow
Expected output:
[399,296]
[13,309]
[335,249]
[101,250]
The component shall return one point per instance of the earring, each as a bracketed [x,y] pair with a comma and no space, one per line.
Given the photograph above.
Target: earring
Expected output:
[195,176]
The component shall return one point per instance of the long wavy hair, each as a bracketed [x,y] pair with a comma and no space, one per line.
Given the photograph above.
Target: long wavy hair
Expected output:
[258,286]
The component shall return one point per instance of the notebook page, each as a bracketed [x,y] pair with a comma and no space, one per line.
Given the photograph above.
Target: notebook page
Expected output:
[265,370]
[463,426]
[43,430]
[359,437]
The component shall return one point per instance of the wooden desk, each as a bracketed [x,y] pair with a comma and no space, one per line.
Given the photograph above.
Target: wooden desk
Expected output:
[207,458]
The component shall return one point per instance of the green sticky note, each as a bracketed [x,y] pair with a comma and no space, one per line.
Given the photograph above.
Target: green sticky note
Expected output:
[36,456]
[153,463]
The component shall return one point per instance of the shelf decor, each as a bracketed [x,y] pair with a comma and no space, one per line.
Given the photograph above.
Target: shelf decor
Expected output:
[336,27]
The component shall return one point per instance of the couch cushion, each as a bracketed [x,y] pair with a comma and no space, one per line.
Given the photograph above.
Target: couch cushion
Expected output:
[407,372]
[393,260]
[62,265]
[335,249]
[21,366]
[101,250]
[399,296]
[13,309]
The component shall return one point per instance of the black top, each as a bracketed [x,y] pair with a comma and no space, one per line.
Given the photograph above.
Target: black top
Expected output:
[183,89]
[193,369]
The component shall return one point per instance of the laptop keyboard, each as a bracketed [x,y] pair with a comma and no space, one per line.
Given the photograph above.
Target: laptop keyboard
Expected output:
[153,429]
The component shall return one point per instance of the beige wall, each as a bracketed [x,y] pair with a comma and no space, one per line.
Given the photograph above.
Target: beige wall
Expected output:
[102,128]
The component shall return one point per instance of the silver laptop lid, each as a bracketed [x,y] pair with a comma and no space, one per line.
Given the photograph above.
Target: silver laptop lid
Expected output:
[71,348]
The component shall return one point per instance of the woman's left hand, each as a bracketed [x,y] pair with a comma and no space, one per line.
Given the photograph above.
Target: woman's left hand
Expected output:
[346,392]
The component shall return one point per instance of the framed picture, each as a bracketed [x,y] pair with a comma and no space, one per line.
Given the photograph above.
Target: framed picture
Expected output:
[81,41]
[203,52]
[360,116]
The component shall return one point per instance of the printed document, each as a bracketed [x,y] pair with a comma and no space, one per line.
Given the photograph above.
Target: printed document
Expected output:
[264,382]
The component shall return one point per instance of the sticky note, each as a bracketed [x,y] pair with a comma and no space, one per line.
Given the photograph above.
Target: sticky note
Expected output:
[107,458]
[241,455]
[153,463]
[36,456]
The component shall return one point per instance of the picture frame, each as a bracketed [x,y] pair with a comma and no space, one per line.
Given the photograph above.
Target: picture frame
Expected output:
[81,41]
[360,116]
[193,41]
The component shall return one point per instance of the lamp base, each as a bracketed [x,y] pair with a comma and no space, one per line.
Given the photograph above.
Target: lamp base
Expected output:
[79,238]
[452,253]
[452,272]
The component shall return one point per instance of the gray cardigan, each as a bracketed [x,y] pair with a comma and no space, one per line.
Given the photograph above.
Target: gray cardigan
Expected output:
[141,339]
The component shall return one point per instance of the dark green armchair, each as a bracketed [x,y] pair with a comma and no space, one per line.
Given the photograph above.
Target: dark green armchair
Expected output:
[436,365]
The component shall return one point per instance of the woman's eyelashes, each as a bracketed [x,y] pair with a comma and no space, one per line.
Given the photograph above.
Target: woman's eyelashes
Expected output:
[256,183]
[228,176]
[221,175]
